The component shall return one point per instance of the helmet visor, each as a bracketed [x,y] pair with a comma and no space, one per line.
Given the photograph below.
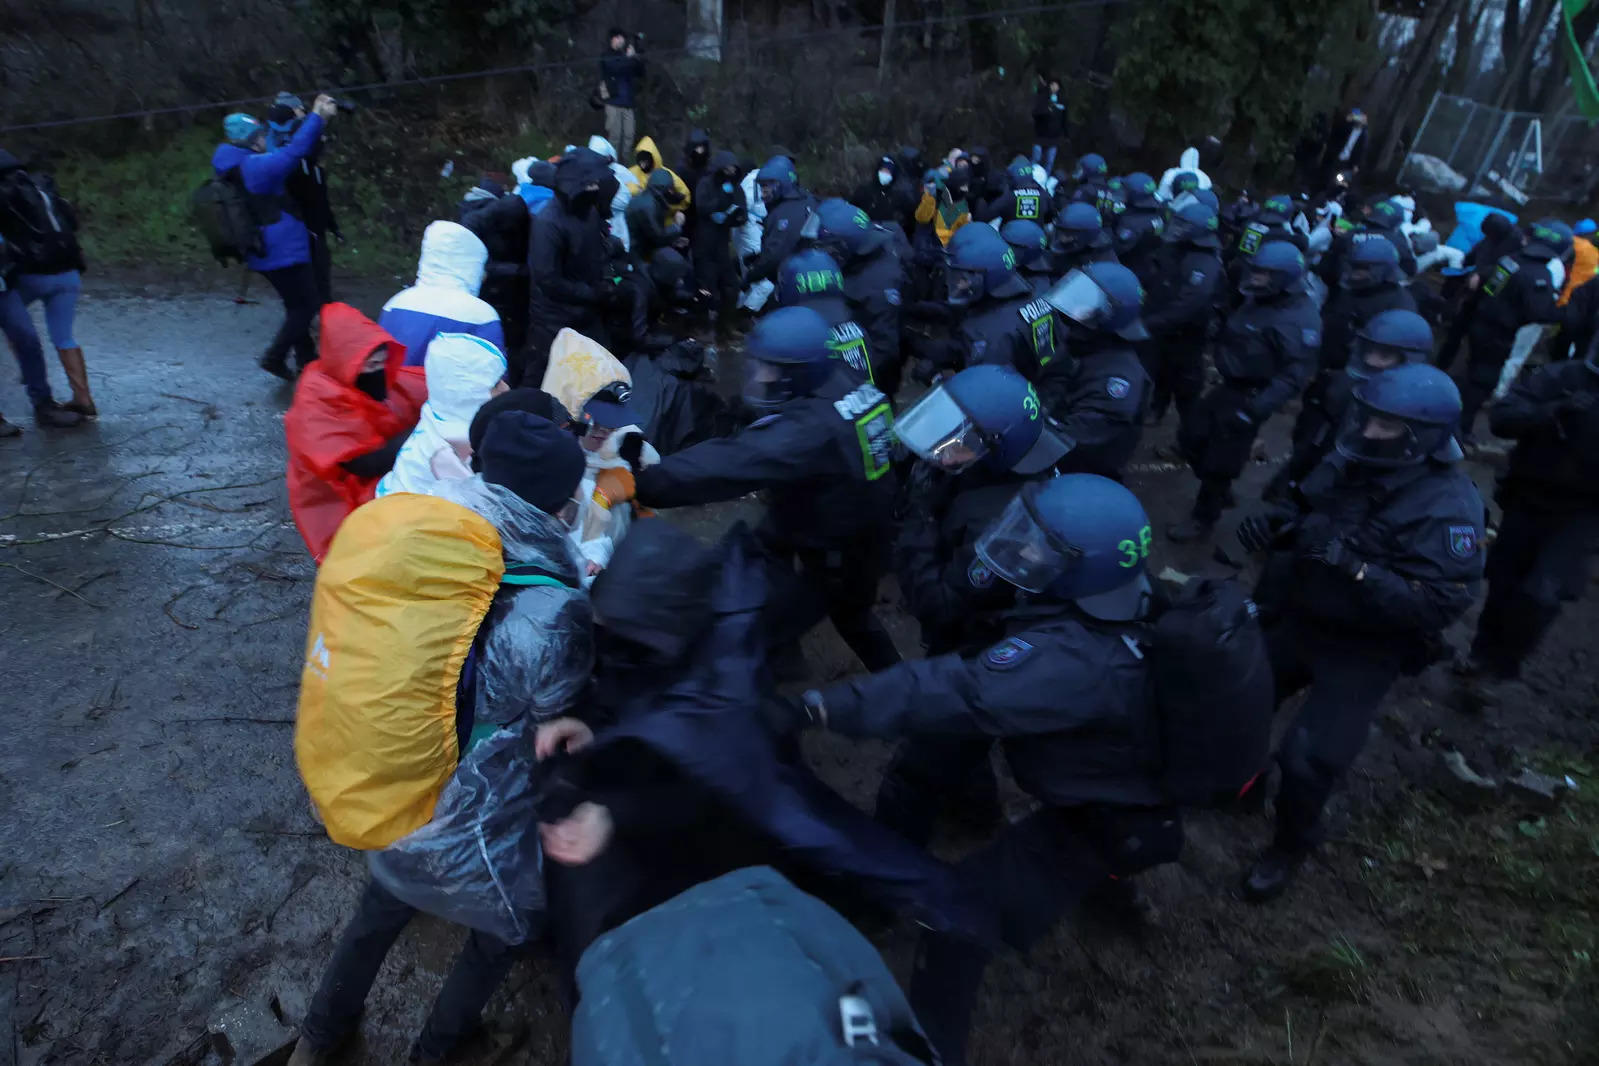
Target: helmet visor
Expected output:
[965,287]
[766,385]
[1368,358]
[1020,550]
[1377,439]
[1257,282]
[939,431]
[1079,298]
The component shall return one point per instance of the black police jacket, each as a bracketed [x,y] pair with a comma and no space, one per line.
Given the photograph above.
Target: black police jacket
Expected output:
[995,331]
[875,284]
[1418,530]
[1517,291]
[1552,413]
[1070,697]
[780,234]
[822,460]
[1181,296]
[1269,348]
[1101,408]
[1347,310]
[955,598]
[848,340]
[1137,233]
[1331,266]
[1101,251]
[1023,200]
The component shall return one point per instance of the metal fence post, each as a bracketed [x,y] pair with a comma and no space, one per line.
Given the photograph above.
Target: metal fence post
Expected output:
[1421,131]
[1493,150]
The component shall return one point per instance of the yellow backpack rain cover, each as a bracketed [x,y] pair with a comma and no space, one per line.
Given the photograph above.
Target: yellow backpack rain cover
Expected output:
[398,602]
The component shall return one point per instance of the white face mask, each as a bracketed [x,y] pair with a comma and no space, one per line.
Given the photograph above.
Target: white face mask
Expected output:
[885,177]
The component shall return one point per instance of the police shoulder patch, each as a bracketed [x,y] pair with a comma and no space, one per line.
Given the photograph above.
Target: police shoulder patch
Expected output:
[782,223]
[979,575]
[892,296]
[1118,387]
[1462,541]
[1008,653]
[1311,337]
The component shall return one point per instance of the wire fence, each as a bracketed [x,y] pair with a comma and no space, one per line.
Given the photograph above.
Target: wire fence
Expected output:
[1469,148]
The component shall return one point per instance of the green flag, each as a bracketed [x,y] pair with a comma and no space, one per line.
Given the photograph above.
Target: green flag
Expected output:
[1582,83]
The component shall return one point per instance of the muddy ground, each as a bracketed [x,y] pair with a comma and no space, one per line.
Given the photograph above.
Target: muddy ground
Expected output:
[160,875]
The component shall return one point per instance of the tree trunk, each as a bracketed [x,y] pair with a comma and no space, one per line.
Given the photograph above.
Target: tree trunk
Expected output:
[1516,65]
[1418,65]
[888,41]
[704,38]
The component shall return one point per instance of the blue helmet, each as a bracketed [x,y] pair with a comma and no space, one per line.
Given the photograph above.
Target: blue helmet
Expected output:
[1194,223]
[1077,227]
[1272,270]
[1373,261]
[241,129]
[1389,339]
[1078,537]
[1021,169]
[1104,297]
[1549,238]
[1090,167]
[1585,227]
[788,355]
[808,275]
[981,264]
[988,414]
[842,229]
[1402,417]
[1185,181]
[1140,189]
[1276,211]
[1030,242]
[778,176]
[1384,215]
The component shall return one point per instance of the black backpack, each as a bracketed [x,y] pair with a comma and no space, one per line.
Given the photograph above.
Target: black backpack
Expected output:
[1214,692]
[226,215]
[38,224]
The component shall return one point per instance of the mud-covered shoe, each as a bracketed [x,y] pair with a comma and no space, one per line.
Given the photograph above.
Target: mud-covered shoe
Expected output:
[52,415]
[1271,875]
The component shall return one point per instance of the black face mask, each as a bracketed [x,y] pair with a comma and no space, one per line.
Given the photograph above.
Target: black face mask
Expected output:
[584,201]
[374,383]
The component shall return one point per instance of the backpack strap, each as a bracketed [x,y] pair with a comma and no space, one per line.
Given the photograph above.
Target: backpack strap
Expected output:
[527,575]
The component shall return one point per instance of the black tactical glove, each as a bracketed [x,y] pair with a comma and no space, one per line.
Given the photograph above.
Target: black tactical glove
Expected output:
[1336,554]
[1260,531]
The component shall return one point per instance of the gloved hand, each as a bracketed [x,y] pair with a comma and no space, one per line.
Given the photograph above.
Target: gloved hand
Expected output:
[612,486]
[1260,531]
[719,217]
[1336,554]
[631,450]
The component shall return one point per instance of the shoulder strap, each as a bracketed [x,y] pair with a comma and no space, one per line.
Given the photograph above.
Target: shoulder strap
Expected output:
[527,575]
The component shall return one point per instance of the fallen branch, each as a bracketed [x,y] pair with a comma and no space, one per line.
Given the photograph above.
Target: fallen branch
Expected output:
[22,958]
[125,890]
[166,608]
[74,593]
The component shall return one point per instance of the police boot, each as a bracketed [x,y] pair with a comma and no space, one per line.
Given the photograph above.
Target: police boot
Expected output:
[278,368]
[52,415]
[1190,531]
[8,429]
[1271,874]
[78,377]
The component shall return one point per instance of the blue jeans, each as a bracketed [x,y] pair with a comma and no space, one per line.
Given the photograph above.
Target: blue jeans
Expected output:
[1046,156]
[60,295]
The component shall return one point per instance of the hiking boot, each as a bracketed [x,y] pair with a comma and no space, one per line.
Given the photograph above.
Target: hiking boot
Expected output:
[278,368]
[1271,875]
[52,415]
[1194,529]
[9,429]
[78,377]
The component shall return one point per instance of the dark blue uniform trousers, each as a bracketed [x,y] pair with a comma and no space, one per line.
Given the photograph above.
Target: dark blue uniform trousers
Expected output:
[1538,561]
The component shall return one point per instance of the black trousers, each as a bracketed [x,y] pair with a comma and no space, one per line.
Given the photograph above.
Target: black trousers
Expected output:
[1347,681]
[809,584]
[296,287]
[927,775]
[322,266]
[1217,443]
[1176,368]
[1538,561]
[1030,876]
[1485,361]
[379,918]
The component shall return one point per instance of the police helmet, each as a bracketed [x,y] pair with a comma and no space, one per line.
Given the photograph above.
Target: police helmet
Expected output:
[1384,215]
[807,275]
[1272,270]
[1373,261]
[1389,339]
[981,264]
[988,414]
[1140,189]
[1090,167]
[1185,181]
[777,177]
[842,229]
[1029,241]
[1077,227]
[1101,296]
[1020,170]
[1276,210]
[1402,417]
[1078,537]
[1193,223]
[1549,238]
[788,356]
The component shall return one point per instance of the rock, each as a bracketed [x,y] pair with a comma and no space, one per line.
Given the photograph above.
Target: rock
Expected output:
[249,1033]
[1457,780]
[1539,791]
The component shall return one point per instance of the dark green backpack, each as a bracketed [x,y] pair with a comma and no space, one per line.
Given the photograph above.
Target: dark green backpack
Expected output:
[226,217]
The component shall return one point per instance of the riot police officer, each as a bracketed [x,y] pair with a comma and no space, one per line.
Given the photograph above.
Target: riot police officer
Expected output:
[1266,354]
[1080,238]
[1273,222]
[978,437]
[788,209]
[875,281]
[812,279]
[823,455]
[1180,306]
[1068,693]
[1001,321]
[1549,496]
[1090,183]
[1031,245]
[1138,228]
[1361,578]
[1098,390]
[1369,283]
[1517,291]
[1387,340]
[1023,199]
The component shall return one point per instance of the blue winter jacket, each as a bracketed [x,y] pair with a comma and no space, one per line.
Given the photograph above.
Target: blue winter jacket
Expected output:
[286,240]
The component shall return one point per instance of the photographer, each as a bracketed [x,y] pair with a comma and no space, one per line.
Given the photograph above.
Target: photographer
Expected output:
[285,258]
[621,76]
[307,188]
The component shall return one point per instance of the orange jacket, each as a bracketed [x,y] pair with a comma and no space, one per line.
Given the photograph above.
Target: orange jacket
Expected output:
[1583,266]
[331,421]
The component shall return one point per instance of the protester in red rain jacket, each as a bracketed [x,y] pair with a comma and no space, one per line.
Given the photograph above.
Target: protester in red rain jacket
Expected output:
[352,410]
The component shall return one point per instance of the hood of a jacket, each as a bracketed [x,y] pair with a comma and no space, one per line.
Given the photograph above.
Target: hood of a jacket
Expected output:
[1189,160]
[722,160]
[656,589]
[647,146]
[578,168]
[580,367]
[697,138]
[602,147]
[452,258]
[663,185]
[348,337]
[461,370]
